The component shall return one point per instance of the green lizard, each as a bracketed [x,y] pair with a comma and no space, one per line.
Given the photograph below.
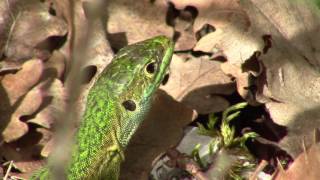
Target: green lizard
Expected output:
[116,105]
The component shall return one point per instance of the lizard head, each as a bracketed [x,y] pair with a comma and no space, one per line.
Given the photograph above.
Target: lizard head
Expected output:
[133,77]
[138,69]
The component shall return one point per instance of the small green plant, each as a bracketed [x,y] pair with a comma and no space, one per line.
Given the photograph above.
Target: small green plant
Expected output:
[223,138]
[196,156]
[227,133]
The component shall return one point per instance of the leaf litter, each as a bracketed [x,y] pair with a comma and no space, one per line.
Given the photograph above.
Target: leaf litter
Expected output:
[269,53]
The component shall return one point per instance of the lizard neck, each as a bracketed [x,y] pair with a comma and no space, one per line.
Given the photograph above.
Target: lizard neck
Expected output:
[103,135]
[133,121]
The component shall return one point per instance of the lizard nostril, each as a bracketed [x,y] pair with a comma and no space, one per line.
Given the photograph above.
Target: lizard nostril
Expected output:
[165,79]
[129,105]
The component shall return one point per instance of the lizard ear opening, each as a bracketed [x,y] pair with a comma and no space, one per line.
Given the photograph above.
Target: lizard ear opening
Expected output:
[129,105]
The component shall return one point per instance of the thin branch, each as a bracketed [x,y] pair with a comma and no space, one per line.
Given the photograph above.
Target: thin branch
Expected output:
[8,171]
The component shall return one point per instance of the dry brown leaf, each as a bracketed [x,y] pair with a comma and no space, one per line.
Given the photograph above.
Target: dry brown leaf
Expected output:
[231,25]
[199,83]
[48,147]
[216,13]
[87,35]
[13,90]
[51,92]
[285,33]
[6,18]
[187,39]
[23,151]
[136,20]
[300,121]
[305,166]
[242,80]
[31,28]
[204,6]
[33,103]
[16,128]
[16,85]
[232,28]
[99,52]
[229,41]
[53,102]
[182,19]
[291,64]
[55,67]
[45,141]
[163,128]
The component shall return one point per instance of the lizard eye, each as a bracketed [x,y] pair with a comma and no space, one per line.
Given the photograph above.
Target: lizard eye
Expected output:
[129,105]
[151,68]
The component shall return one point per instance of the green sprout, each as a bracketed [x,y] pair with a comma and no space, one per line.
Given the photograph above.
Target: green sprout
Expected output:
[196,155]
[224,138]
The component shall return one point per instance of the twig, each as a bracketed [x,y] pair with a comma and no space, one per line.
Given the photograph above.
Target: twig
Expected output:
[260,167]
[8,171]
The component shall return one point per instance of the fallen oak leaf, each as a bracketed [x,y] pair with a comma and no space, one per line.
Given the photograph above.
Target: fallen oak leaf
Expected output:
[7,17]
[232,29]
[26,42]
[291,80]
[243,81]
[23,151]
[16,85]
[289,56]
[35,103]
[229,42]
[182,22]
[137,19]
[16,128]
[46,141]
[305,166]
[53,103]
[199,83]
[55,67]
[24,165]
[13,88]
[214,13]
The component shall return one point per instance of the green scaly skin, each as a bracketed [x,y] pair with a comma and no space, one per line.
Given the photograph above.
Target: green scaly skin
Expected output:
[108,125]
